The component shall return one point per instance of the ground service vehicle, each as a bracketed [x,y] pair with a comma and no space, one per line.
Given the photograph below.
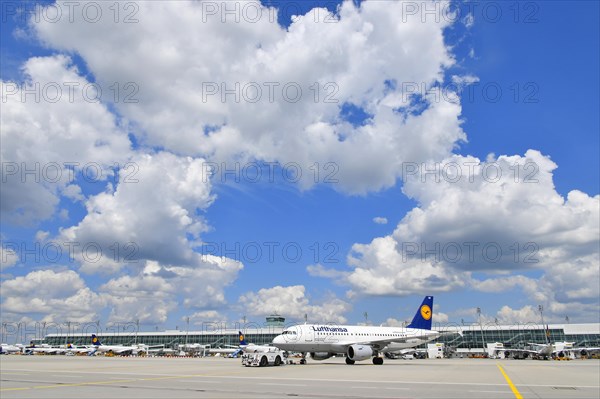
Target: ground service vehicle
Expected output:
[273,357]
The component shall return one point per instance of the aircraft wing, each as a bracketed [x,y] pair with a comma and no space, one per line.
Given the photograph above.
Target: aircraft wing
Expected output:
[545,352]
[381,344]
[512,350]
[45,350]
[224,351]
[125,349]
[580,349]
[82,350]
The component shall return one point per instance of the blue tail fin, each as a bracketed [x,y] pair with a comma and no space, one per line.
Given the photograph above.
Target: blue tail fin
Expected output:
[422,319]
[95,340]
[242,340]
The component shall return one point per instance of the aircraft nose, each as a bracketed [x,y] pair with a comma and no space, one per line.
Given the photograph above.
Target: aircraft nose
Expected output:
[278,340]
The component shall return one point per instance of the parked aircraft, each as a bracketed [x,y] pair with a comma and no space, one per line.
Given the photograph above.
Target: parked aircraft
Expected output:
[252,348]
[8,349]
[542,351]
[116,349]
[358,342]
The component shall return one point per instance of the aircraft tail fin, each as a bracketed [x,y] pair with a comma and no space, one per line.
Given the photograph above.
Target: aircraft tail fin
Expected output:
[96,340]
[422,319]
[242,339]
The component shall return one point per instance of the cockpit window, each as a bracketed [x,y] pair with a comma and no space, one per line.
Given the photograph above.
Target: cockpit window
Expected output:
[289,332]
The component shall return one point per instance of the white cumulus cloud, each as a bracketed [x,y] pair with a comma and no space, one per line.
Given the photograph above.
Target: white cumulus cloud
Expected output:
[380,220]
[50,296]
[292,302]
[288,87]
[500,217]
[159,289]
[152,214]
[51,128]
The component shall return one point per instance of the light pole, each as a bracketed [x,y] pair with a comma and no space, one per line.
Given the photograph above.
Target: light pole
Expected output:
[68,332]
[187,330]
[541,309]
[481,328]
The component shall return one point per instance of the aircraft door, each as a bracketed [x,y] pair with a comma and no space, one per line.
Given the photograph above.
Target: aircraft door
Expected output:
[308,334]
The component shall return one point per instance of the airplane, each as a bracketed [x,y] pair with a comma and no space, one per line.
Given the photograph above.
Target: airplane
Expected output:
[543,351]
[161,351]
[222,351]
[411,353]
[44,348]
[252,348]
[566,349]
[539,351]
[243,346]
[358,342]
[116,349]
[184,349]
[73,350]
[8,349]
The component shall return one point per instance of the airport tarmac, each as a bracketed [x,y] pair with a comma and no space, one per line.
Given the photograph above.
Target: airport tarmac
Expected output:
[132,378]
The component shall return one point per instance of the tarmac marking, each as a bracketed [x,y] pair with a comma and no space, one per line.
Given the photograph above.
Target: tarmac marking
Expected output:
[15,389]
[285,385]
[489,391]
[271,378]
[64,385]
[512,386]
[113,381]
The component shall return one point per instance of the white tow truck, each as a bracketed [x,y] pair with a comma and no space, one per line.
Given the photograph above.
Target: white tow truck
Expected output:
[271,357]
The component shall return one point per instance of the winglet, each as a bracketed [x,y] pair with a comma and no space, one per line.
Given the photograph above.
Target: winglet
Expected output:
[422,319]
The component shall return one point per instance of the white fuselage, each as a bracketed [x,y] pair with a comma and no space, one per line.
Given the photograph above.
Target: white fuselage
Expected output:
[11,348]
[48,350]
[251,348]
[222,351]
[118,349]
[337,339]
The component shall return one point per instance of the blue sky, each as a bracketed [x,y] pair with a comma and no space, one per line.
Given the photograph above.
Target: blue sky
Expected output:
[542,56]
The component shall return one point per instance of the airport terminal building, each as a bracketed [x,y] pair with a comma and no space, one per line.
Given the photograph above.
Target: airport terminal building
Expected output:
[474,337]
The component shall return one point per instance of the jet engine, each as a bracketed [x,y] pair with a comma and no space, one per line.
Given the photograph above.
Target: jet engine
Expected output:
[320,355]
[359,352]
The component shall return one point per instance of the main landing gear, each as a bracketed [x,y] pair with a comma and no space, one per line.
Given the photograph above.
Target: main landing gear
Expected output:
[303,360]
[378,360]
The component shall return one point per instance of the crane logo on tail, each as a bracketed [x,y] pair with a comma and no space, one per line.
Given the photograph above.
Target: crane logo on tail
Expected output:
[426,312]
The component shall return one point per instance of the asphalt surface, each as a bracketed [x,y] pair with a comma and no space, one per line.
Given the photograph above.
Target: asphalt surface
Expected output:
[100,377]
